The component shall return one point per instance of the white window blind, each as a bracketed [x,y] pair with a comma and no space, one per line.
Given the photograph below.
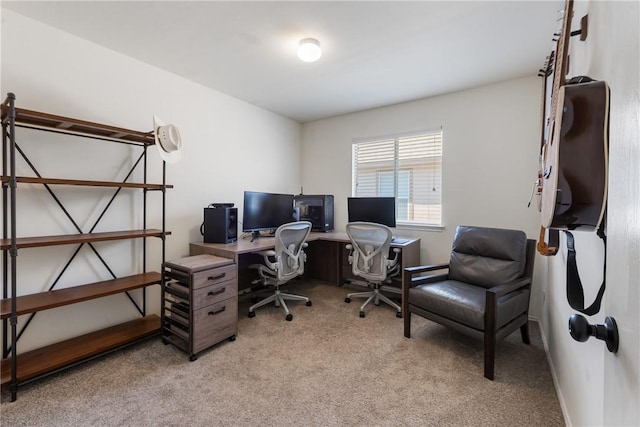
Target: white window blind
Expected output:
[407,167]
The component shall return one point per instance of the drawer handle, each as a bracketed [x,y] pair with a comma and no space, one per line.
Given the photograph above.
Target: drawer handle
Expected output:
[213,313]
[212,294]
[220,276]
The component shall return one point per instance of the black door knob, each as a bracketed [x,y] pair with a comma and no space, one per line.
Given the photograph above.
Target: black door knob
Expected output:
[581,330]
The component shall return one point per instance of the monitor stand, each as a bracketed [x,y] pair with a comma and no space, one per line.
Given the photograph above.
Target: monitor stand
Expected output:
[255,234]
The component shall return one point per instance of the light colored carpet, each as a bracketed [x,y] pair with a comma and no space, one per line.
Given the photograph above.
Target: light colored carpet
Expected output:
[327,367]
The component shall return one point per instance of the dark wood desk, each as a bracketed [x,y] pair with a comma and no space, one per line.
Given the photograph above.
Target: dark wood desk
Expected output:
[327,258]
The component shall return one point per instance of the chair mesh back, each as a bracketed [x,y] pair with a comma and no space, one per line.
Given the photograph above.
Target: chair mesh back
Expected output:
[487,256]
[371,244]
[289,253]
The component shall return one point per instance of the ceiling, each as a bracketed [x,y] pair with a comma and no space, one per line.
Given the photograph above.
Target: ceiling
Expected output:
[375,53]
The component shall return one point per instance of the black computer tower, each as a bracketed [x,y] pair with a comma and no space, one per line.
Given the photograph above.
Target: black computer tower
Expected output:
[318,209]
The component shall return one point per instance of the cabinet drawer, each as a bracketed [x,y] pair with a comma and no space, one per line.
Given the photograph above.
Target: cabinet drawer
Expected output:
[213,276]
[215,293]
[214,323]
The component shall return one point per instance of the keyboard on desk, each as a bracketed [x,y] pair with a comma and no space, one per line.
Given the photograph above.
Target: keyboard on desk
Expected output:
[399,240]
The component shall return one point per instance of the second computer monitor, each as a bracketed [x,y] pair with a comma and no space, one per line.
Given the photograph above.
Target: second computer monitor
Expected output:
[381,210]
[266,211]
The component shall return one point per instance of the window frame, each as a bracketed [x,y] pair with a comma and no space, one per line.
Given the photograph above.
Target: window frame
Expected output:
[395,169]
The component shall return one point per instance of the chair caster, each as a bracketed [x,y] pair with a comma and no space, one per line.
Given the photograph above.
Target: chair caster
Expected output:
[252,314]
[309,303]
[289,317]
[399,314]
[347,299]
[193,358]
[377,304]
[362,314]
[232,338]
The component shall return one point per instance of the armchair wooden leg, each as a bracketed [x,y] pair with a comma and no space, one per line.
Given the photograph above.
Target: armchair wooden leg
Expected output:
[490,334]
[524,331]
[407,323]
[489,355]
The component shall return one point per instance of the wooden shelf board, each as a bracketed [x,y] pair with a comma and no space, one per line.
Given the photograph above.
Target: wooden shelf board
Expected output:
[56,356]
[57,181]
[68,239]
[56,298]
[80,127]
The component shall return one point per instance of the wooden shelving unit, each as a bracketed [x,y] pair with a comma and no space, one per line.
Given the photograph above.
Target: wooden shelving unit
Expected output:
[45,300]
[47,360]
[19,368]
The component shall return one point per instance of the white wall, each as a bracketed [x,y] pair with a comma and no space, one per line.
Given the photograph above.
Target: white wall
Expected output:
[229,146]
[491,142]
[597,387]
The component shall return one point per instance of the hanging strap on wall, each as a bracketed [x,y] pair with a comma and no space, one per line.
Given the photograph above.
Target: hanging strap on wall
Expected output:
[575,292]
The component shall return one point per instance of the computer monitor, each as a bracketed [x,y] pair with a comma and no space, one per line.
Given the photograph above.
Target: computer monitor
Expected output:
[266,211]
[381,210]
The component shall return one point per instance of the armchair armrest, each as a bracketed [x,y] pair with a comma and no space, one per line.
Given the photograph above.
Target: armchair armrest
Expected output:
[410,272]
[501,290]
[425,268]
[409,281]
[491,301]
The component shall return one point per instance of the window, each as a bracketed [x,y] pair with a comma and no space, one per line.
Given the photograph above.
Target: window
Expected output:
[408,167]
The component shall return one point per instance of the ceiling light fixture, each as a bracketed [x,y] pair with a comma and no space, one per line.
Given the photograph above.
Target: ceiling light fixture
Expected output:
[309,50]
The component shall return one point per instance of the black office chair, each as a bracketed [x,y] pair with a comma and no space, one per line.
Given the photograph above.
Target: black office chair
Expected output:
[369,259]
[282,264]
[484,294]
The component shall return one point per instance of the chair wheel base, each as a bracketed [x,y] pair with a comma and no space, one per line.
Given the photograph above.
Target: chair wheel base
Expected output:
[289,317]
[308,304]
[347,299]
[252,314]
[362,314]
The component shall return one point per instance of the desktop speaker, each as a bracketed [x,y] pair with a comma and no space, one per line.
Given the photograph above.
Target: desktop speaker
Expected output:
[220,224]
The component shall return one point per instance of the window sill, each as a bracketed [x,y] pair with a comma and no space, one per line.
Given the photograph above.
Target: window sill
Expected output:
[419,227]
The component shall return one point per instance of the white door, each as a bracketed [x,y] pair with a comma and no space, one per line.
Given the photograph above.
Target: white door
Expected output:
[620,21]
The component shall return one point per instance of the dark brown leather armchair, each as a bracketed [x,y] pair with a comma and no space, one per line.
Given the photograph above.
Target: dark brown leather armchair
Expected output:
[484,294]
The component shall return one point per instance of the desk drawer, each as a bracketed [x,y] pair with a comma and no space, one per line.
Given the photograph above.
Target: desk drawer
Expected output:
[214,323]
[206,296]
[213,276]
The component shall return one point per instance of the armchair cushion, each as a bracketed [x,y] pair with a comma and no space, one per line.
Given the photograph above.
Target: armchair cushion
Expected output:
[487,256]
[465,303]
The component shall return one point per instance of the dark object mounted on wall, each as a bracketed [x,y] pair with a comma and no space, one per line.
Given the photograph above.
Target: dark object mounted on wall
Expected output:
[581,330]
[220,223]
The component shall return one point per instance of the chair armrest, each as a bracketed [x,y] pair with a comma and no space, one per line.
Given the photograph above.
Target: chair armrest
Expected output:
[268,255]
[396,253]
[408,282]
[502,290]
[491,301]
[423,268]
[269,252]
[421,280]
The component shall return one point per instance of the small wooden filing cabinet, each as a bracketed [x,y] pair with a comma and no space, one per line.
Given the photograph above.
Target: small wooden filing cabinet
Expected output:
[200,302]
